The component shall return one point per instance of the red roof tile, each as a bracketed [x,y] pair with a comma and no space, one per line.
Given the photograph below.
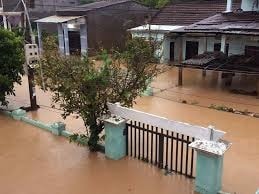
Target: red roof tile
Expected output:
[186,13]
[228,23]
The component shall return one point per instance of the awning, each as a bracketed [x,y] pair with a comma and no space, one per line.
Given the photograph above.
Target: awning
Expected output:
[57,19]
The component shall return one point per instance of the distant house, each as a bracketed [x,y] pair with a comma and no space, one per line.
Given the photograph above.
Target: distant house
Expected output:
[12,15]
[177,16]
[237,36]
[100,24]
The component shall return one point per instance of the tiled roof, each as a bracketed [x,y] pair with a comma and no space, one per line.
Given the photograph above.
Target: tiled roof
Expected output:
[231,23]
[186,13]
[96,5]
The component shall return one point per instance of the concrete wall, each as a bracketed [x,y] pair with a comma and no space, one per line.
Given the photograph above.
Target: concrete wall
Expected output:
[237,44]
[44,8]
[107,28]
[249,5]
[41,7]
[9,5]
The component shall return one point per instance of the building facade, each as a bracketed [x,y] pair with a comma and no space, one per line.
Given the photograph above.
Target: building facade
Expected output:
[178,16]
[101,24]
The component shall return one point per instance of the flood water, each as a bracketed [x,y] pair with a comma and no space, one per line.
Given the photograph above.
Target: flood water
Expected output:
[241,172]
[34,161]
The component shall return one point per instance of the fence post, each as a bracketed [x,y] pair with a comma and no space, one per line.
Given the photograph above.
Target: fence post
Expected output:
[18,114]
[115,138]
[161,151]
[58,127]
[209,165]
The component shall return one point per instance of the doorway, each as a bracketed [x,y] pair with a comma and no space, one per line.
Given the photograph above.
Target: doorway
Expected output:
[74,42]
[192,48]
[171,51]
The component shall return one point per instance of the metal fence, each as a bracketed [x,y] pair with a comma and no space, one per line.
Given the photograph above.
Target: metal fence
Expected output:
[166,149]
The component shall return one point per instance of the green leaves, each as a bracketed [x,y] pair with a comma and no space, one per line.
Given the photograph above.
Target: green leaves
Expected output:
[84,87]
[11,63]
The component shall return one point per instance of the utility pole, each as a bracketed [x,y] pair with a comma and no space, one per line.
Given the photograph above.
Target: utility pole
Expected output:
[29,65]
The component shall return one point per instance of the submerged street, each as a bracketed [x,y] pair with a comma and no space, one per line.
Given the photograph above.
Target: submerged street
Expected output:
[54,163]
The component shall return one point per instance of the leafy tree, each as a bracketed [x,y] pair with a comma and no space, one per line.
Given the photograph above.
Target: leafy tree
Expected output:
[161,3]
[155,3]
[83,87]
[11,63]
[86,1]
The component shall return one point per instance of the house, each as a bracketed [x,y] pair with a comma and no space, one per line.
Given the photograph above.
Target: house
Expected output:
[100,24]
[235,33]
[176,16]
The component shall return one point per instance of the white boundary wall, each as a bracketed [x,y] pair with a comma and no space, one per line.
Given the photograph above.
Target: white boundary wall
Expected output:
[197,132]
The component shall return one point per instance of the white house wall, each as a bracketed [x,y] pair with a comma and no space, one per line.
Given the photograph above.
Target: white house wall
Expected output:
[236,44]
[162,41]
[249,5]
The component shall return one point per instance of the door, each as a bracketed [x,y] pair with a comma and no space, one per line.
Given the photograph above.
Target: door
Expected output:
[171,51]
[192,48]
[217,47]
[74,42]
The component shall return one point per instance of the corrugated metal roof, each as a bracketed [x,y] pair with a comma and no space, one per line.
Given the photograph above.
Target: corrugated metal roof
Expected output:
[186,13]
[95,5]
[57,19]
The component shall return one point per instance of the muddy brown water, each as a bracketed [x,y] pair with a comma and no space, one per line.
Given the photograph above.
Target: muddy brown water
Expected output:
[34,161]
[241,172]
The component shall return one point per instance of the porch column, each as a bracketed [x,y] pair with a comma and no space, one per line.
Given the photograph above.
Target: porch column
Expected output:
[9,26]
[180,68]
[205,50]
[5,22]
[66,39]
[83,39]
[61,42]
[229,6]
[223,43]
[39,30]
